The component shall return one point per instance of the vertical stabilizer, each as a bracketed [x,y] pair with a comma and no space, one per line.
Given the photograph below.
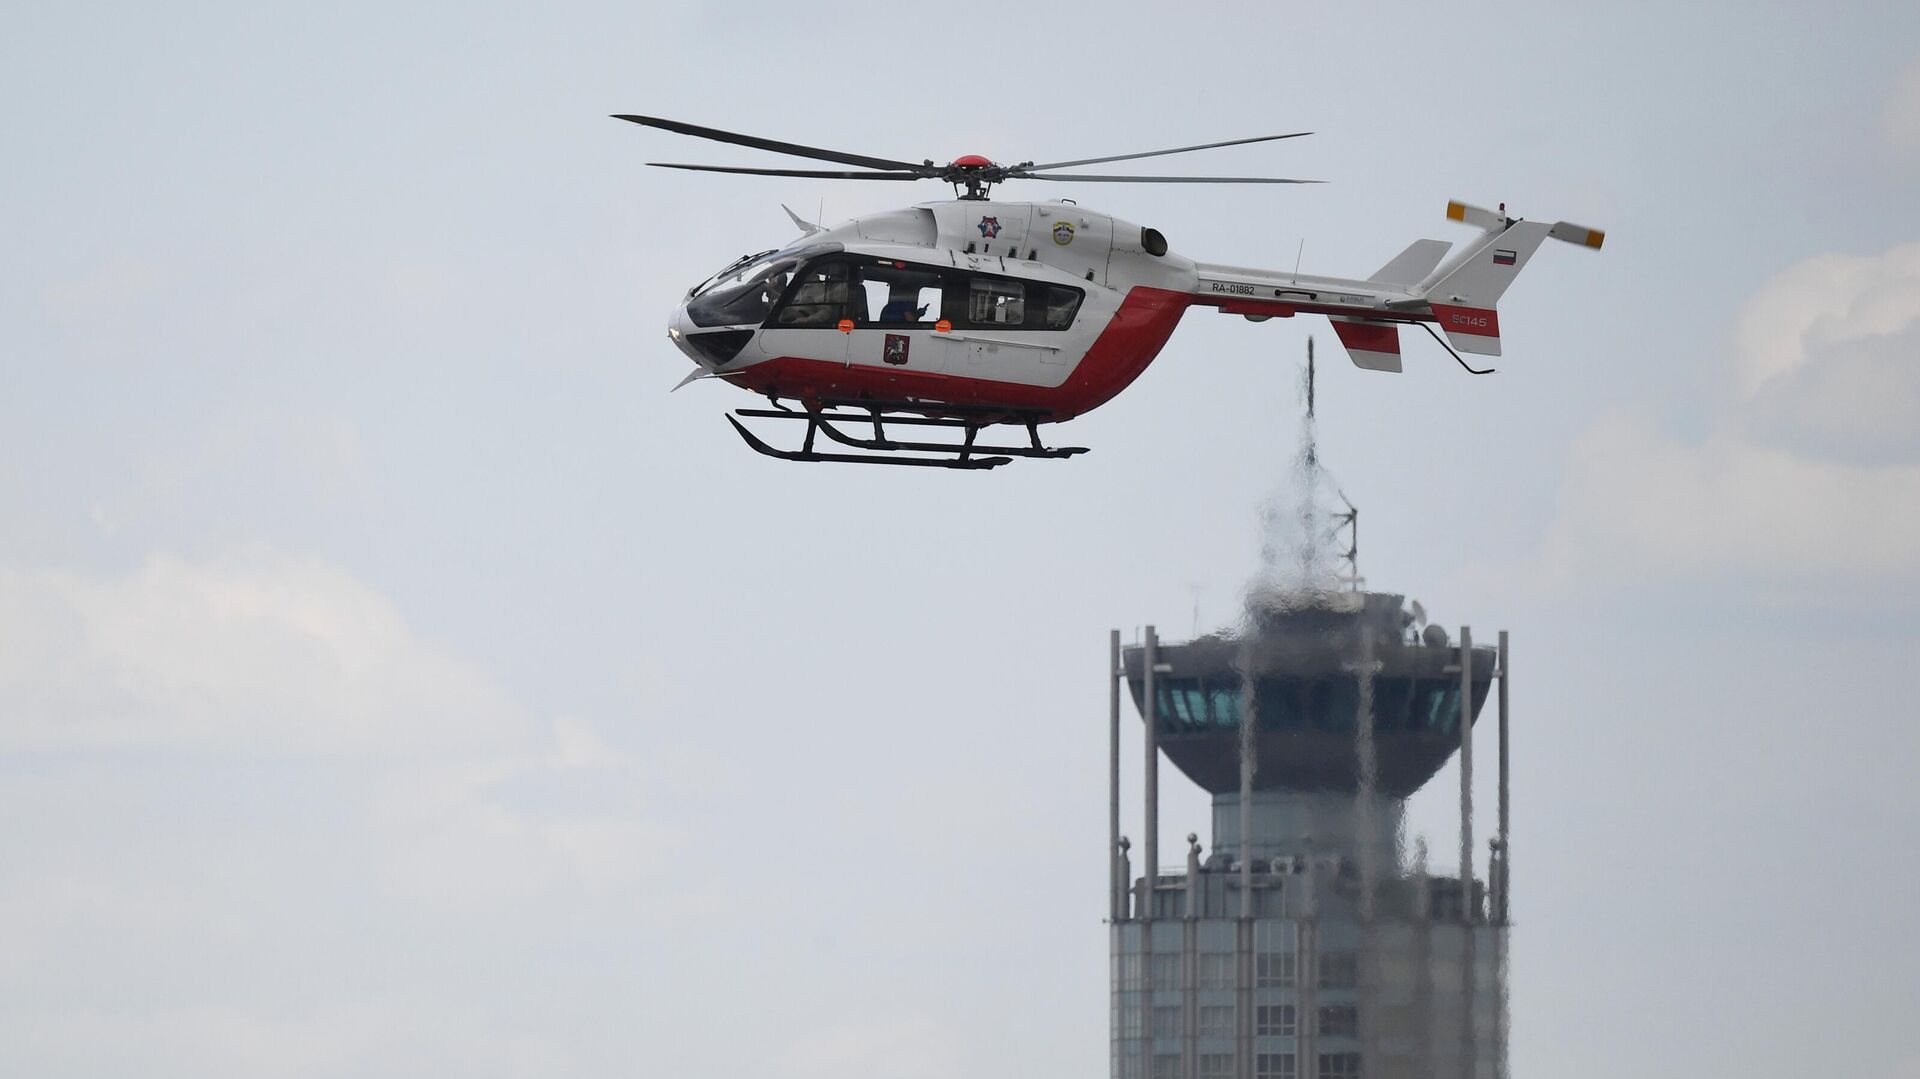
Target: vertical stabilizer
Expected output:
[1466,290]
[1410,267]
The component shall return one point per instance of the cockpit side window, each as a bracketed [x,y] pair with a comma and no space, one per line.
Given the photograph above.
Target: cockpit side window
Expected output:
[821,297]
[745,292]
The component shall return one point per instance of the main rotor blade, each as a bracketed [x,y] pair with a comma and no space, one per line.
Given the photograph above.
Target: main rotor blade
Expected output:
[1163,153]
[1066,177]
[795,149]
[818,174]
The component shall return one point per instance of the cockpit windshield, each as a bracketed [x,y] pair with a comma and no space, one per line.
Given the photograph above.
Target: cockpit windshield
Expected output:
[744,293]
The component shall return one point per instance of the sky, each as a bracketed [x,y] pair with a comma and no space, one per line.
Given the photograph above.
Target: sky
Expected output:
[396,680]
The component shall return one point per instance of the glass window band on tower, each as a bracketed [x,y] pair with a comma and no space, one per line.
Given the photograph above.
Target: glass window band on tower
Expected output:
[1193,705]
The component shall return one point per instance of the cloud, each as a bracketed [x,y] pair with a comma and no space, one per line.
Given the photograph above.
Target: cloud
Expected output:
[275,656]
[1860,403]
[1808,478]
[1638,502]
[1825,358]
[576,814]
[265,819]
[264,653]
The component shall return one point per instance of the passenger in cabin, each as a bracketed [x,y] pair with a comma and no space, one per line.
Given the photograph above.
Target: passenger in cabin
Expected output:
[902,307]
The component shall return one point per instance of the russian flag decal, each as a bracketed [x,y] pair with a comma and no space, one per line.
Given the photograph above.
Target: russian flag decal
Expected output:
[1503,258]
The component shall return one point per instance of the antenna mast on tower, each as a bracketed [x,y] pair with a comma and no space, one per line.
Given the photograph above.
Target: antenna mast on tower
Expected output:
[1350,521]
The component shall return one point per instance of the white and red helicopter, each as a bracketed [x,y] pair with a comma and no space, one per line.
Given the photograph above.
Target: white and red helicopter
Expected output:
[968,313]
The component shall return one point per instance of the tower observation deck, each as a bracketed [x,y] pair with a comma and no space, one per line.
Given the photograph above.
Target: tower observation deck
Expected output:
[1306,943]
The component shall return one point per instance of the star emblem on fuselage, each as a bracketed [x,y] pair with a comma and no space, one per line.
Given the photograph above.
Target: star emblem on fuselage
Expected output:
[989,227]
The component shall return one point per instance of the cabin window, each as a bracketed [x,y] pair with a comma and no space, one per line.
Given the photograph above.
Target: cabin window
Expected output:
[884,292]
[893,293]
[996,302]
[1060,305]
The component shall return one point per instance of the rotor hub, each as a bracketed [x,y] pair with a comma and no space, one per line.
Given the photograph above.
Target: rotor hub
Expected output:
[976,174]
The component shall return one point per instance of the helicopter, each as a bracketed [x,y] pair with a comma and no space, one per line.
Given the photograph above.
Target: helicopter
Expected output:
[970,313]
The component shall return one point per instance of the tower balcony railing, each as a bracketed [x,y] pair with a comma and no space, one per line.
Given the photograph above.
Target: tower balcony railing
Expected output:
[1334,892]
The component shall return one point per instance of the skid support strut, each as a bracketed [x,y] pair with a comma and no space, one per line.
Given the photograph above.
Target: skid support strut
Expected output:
[829,417]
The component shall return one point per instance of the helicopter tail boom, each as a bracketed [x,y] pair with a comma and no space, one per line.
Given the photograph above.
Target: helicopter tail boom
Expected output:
[1458,294]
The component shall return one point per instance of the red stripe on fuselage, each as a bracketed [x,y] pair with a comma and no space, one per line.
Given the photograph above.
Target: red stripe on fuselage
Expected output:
[1134,336]
[1478,321]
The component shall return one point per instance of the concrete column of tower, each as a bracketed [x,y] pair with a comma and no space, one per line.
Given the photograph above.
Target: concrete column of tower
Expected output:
[1116,881]
[1469,957]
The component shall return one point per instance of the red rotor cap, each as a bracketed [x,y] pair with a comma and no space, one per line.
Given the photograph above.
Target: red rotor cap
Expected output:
[972,161]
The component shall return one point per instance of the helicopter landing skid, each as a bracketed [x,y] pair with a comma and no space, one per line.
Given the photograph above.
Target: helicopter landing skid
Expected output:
[967,454]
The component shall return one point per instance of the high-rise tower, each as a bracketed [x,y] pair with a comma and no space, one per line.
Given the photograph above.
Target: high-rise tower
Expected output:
[1306,943]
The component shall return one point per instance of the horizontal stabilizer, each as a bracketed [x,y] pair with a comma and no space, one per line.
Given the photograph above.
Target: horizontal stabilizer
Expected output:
[1410,267]
[1373,346]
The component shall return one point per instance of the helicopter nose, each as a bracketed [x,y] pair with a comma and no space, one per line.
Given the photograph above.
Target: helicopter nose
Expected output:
[711,349]
[678,329]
